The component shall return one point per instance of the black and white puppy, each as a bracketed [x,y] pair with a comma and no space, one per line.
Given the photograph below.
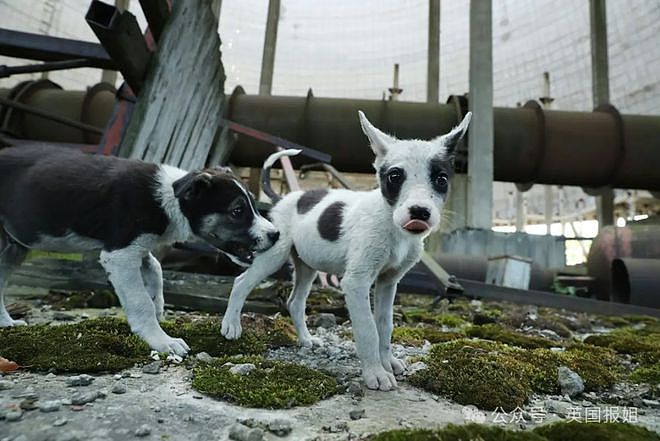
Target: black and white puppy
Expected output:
[57,199]
[367,237]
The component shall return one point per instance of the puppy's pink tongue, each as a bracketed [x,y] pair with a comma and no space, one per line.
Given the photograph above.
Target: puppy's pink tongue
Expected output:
[416,226]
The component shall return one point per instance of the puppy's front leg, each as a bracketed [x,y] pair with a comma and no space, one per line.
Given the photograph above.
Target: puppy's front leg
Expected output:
[364,330]
[123,268]
[152,274]
[384,294]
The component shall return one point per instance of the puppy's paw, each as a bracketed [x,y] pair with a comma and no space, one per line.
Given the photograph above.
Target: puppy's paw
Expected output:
[171,345]
[309,341]
[231,329]
[394,365]
[378,378]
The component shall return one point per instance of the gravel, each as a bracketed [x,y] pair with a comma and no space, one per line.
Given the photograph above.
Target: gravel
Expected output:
[79,380]
[153,367]
[50,406]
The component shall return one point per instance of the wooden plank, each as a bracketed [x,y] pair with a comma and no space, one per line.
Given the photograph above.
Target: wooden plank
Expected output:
[177,115]
[202,292]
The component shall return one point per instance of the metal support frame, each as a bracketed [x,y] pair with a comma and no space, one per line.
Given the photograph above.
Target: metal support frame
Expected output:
[270,42]
[120,35]
[600,91]
[46,48]
[433,56]
[156,12]
[7,71]
[481,132]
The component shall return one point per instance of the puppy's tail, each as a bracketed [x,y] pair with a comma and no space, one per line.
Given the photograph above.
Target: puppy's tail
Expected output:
[265,172]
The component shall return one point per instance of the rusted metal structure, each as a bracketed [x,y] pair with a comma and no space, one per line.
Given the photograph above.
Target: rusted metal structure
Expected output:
[636,281]
[531,144]
[624,253]
[92,107]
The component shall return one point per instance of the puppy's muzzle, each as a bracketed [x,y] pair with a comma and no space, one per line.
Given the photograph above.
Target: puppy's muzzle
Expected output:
[418,222]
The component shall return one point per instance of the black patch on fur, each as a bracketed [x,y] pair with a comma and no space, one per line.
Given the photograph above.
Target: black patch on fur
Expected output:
[53,191]
[329,223]
[439,167]
[390,190]
[309,199]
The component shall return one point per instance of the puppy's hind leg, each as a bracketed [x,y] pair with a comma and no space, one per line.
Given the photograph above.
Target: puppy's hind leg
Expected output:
[152,274]
[12,255]
[303,279]
[263,266]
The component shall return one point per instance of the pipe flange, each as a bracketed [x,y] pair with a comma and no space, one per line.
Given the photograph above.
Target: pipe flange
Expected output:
[540,159]
[12,120]
[618,122]
[86,109]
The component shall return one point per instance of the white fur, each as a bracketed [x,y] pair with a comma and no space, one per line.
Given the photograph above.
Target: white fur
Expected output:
[372,248]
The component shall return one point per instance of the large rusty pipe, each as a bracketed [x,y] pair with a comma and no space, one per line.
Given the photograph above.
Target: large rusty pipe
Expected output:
[636,281]
[92,107]
[601,148]
[636,241]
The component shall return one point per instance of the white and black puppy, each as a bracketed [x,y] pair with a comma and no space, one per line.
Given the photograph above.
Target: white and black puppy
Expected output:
[58,199]
[367,237]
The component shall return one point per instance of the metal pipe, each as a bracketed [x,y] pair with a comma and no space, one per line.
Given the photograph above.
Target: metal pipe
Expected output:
[120,35]
[532,145]
[636,281]
[91,108]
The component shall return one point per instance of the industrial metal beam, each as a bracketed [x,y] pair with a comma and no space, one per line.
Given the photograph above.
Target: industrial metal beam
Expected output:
[433,56]
[600,91]
[7,71]
[270,42]
[540,298]
[156,12]
[481,136]
[120,34]
[46,48]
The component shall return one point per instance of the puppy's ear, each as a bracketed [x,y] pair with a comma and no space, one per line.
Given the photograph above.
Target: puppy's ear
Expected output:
[450,140]
[380,142]
[192,185]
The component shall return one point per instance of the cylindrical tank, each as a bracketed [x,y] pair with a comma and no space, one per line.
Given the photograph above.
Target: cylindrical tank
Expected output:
[636,281]
[92,106]
[631,241]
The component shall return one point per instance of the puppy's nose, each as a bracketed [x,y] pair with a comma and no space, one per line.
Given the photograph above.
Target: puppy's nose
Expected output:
[419,213]
[273,236]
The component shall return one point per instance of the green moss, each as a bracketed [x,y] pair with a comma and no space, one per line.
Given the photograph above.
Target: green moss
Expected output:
[643,345]
[468,432]
[260,332]
[85,299]
[648,375]
[476,372]
[491,374]
[561,431]
[576,431]
[416,336]
[103,344]
[107,344]
[272,384]
[501,334]
[420,315]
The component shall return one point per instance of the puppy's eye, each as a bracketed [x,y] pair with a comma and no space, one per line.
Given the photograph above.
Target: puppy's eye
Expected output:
[237,212]
[441,180]
[395,176]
